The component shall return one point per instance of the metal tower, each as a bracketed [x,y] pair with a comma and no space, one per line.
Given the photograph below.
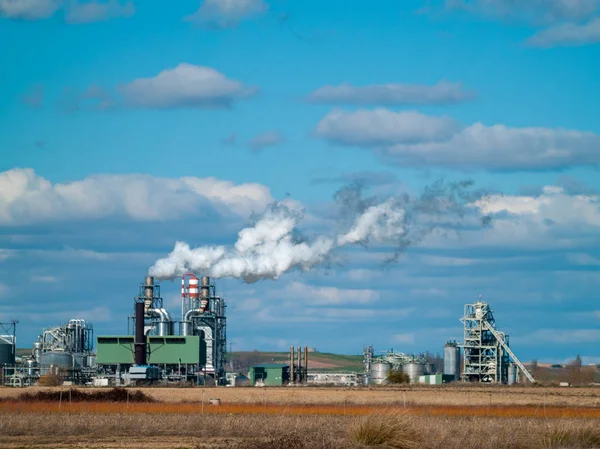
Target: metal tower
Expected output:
[486,352]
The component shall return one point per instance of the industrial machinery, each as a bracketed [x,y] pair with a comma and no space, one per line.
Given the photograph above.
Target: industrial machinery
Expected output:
[452,360]
[196,353]
[64,352]
[378,368]
[486,353]
[298,366]
[8,342]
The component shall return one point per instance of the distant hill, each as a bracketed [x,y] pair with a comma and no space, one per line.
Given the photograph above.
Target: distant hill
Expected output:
[321,361]
[242,361]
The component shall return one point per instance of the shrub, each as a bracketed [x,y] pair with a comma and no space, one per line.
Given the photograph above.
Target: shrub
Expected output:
[392,429]
[398,377]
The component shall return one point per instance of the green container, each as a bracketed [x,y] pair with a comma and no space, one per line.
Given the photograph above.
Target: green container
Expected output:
[169,350]
[271,375]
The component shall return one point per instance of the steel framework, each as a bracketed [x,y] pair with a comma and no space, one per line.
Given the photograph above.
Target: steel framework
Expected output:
[486,351]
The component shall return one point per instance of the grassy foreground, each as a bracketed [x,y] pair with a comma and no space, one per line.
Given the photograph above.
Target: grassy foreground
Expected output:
[132,431]
[46,418]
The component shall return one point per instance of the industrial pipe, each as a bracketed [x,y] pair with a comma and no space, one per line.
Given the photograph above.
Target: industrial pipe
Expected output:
[292,364]
[140,337]
[299,364]
[306,364]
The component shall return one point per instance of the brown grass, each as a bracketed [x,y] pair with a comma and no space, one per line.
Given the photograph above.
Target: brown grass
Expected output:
[390,396]
[191,431]
[393,429]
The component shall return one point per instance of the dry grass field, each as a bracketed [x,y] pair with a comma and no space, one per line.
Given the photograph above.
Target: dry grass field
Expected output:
[409,395]
[295,418]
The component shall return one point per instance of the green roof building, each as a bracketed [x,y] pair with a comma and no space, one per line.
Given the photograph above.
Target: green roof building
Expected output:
[167,350]
[270,375]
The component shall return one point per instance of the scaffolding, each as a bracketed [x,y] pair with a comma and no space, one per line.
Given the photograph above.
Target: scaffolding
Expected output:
[487,356]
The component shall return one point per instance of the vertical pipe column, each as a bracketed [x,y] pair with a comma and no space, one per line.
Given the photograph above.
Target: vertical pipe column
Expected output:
[299,375]
[306,364]
[140,337]
[292,364]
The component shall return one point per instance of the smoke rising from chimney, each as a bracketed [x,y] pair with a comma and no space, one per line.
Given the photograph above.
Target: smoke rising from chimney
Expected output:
[272,246]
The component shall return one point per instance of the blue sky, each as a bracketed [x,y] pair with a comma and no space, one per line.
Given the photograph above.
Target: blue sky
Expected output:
[128,126]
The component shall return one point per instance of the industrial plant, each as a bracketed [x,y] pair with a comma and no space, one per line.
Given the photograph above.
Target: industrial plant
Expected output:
[193,349]
[486,356]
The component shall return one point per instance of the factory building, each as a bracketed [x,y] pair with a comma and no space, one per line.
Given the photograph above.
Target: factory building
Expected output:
[191,349]
[61,353]
[377,369]
[269,375]
[487,356]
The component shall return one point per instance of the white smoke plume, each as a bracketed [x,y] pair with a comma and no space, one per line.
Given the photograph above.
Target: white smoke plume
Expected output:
[272,246]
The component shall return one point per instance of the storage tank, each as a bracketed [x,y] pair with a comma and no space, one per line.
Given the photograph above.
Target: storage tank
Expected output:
[37,350]
[512,374]
[31,365]
[452,360]
[414,370]
[379,373]
[63,360]
[7,351]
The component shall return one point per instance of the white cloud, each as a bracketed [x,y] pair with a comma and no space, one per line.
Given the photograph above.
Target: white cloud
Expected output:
[501,147]
[266,139]
[95,315]
[530,10]
[429,292]
[553,207]
[407,339]
[391,94]
[328,295]
[26,197]
[88,12]
[553,219]
[380,127]
[74,10]
[44,279]
[560,336]
[185,86]
[414,139]
[567,34]
[29,9]
[5,254]
[582,259]
[226,13]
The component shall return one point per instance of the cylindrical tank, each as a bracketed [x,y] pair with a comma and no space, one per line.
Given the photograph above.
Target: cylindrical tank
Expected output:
[37,350]
[60,360]
[31,365]
[452,360]
[91,361]
[193,288]
[512,374]
[429,368]
[7,352]
[414,370]
[379,373]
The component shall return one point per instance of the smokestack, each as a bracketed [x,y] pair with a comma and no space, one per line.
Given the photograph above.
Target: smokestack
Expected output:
[148,292]
[292,364]
[140,337]
[299,364]
[306,364]
[204,293]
